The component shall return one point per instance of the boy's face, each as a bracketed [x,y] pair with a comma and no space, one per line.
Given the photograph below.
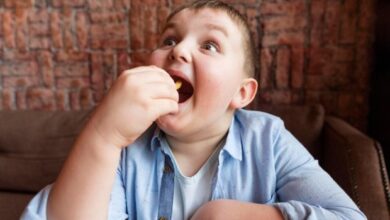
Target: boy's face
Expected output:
[204,49]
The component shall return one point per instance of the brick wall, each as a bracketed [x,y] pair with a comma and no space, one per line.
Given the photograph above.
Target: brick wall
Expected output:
[64,54]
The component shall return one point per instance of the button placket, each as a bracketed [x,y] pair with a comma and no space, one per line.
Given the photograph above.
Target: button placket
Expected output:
[166,190]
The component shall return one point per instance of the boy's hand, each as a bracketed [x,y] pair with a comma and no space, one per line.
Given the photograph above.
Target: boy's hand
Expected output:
[231,209]
[137,98]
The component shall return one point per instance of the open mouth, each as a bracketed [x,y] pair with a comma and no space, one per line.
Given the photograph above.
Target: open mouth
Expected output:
[184,88]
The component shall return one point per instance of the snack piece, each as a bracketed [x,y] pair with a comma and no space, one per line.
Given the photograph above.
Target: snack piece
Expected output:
[178,84]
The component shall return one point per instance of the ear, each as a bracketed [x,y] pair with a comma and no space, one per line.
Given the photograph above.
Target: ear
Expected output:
[245,94]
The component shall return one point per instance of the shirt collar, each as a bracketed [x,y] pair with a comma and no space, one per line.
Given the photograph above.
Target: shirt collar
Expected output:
[233,145]
[156,139]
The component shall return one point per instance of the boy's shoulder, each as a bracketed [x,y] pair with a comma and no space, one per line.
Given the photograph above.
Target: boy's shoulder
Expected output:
[257,122]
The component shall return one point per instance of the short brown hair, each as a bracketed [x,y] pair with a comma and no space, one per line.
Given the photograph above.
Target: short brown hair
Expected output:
[250,52]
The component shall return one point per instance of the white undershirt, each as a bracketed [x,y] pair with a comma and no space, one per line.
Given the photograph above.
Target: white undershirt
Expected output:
[191,192]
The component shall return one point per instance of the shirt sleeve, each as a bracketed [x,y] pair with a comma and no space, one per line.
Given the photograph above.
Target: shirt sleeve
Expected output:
[36,209]
[304,189]
[117,207]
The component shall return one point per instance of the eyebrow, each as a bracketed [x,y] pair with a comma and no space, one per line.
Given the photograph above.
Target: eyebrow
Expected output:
[209,26]
[218,28]
[168,25]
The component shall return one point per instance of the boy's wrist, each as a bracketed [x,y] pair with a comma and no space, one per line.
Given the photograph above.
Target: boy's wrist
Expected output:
[98,144]
[107,136]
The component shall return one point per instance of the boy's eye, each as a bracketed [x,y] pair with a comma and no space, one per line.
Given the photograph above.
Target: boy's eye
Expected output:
[211,46]
[169,42]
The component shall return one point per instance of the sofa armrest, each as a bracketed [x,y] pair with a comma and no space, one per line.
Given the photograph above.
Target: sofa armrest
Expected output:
[356,162]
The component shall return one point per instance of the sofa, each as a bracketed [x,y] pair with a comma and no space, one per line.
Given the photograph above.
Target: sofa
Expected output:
[34,145]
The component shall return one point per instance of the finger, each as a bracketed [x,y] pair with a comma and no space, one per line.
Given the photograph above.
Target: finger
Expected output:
[162,91]
[163,107]
[156,71]
[144,80]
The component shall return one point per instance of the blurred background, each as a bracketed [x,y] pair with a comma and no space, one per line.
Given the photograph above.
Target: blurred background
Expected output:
[379,118]
[65,54]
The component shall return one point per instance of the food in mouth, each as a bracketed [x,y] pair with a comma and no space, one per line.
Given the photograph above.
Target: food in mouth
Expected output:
[183,87]
[178,84]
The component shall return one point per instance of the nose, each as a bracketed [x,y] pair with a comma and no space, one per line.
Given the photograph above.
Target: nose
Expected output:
[181,52]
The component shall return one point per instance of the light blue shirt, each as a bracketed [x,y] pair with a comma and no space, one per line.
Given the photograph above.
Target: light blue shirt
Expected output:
[261,162]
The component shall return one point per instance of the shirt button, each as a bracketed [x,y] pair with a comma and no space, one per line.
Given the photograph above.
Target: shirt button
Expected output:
[167,169]
[162,218]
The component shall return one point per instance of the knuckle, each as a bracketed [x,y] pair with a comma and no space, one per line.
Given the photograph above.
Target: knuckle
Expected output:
[129,81]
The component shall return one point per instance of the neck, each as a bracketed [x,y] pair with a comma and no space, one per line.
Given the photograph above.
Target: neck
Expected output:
[191,156]
[192,153]
[195,148]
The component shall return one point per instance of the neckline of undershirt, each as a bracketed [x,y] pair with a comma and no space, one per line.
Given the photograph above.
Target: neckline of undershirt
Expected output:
[213,158]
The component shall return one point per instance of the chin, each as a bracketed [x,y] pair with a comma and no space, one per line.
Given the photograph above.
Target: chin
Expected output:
[168,123]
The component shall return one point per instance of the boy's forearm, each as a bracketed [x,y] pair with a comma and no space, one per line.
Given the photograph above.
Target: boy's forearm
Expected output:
[83,188]
[232,209]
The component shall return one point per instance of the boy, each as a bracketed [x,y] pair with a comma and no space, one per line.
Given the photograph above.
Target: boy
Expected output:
[205,158]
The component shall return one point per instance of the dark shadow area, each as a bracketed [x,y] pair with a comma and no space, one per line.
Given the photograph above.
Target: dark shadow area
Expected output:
[379,116]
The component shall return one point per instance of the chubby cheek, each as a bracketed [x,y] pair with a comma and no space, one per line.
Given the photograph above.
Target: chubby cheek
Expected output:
[213,94]
[220,86]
